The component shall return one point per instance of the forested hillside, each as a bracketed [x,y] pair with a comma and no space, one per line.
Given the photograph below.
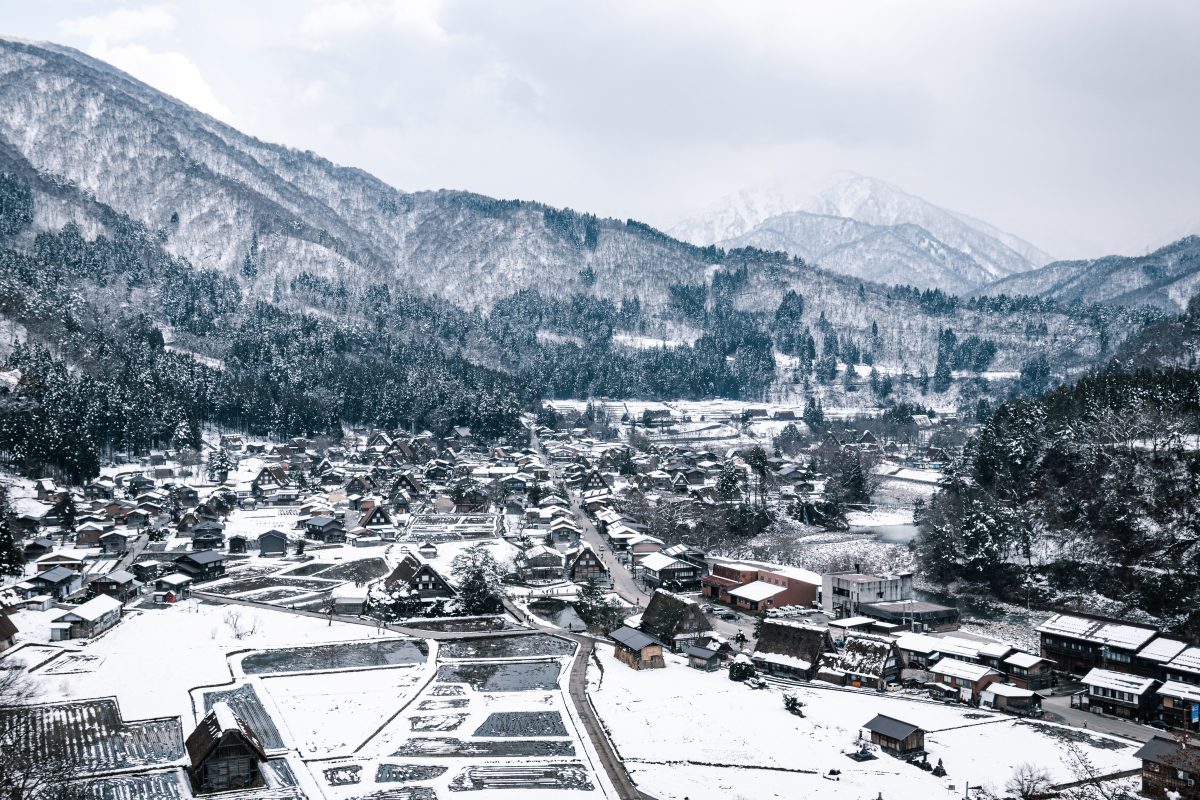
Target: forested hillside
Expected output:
[290,228]
[1087,495]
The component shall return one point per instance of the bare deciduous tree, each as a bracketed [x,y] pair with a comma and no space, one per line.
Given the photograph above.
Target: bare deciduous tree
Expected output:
[1028,780]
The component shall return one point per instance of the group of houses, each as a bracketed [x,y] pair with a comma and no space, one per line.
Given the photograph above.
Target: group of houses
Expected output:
[1128,669]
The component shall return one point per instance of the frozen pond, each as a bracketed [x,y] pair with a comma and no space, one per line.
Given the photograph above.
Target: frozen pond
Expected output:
[387,653]
[893,534]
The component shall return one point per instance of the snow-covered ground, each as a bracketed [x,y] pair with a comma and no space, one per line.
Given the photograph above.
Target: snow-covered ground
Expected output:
[154,657]
[880,517]
[690,734]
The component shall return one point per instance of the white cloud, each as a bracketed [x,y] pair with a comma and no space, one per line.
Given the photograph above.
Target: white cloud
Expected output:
[338,19]
[173,73]
[117,37]
[121,25]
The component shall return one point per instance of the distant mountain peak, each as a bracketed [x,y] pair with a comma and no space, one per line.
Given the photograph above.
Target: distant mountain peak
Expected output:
[969,253]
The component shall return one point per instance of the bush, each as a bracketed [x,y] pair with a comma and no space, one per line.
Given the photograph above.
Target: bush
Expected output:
[741,670]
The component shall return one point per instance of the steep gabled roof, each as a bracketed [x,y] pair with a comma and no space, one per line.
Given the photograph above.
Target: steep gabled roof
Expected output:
[219,722]
[793,639]
[666,614]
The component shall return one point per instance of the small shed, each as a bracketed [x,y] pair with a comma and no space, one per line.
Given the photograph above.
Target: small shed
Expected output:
[273,543]
[901,739]
[703,659]
[237,543]
[350,600]
[428,550]
[637,650]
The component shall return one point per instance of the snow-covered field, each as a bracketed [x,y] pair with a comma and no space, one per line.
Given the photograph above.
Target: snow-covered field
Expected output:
[153,658]
[690,734]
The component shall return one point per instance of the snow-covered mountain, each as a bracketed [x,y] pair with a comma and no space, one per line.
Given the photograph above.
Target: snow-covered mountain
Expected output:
[935,248]
[1166,278]
[98,148]
[889,254]
[91,134]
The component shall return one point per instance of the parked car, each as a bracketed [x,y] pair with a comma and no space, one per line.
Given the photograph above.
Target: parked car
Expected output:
[730,616]
[1158,724]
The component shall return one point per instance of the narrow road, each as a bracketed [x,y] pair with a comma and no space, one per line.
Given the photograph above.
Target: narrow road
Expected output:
[1058,709]
[623,583]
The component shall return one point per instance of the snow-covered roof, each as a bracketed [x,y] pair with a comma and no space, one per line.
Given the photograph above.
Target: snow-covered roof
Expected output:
[1023,660]
[1162,649]
[782,660]
[1188,660]
[175,579]
[93,609]
[1008,690]
[919,643]
[850,622]
[961,669]
[1111,634]
[656,562]
[1118,681]
[757,591]
[1184,691]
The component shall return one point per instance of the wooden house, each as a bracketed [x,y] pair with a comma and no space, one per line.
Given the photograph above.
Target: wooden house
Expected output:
[584,565]
[790,649]
[376,517]
[1029,671]
[673,620]
[322,527]
[36,548]
[421,578]
[114,542]
[540,564]
[202,565]
[172,588]
[118,584]
[8,632]
[1080,642]
[1180,705]
[637,650]
[862,661]
[1170,769]
[659,569]
[962,679]
[224,753]
[1120,694]
[58,582]
[895,737]
[87,620]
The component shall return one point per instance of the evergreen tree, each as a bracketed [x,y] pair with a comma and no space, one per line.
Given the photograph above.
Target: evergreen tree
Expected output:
[729,482]
[478,577]
[66,512]
[12,558]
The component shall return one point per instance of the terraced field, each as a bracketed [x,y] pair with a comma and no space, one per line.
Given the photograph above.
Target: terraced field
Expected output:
[384,653]
[155,786]
[507,647]
[503,676]
[91,734]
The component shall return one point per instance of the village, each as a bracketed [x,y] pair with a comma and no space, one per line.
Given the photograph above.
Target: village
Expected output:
[401,615]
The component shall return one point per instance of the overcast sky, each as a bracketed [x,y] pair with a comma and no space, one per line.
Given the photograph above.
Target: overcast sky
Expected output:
[1073,124]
